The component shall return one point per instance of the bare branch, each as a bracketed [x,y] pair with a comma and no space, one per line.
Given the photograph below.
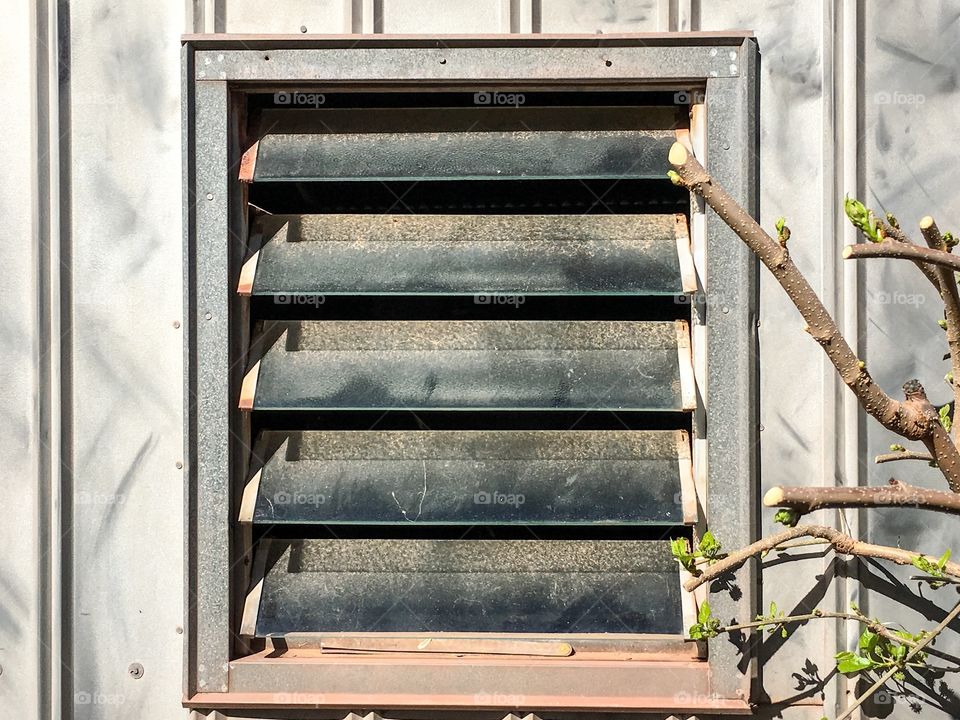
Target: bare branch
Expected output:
[899,250]
[916,418]
[841,543]
[894,232]
[951,300]
[808,499]
[904,455]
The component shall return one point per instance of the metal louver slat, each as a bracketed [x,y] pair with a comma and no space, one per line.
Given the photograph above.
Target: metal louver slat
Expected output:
[507,586]
[398,156]
[472,477]
[470,254]
[472,365]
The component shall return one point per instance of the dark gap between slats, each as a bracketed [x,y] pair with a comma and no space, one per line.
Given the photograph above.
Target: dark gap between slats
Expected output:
[466,420]
[503,197]
[412,531]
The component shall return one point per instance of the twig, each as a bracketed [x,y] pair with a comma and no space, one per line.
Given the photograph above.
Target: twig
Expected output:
[896,668]
[905,455]
[915,418]
[841,543]
[808,499]
[873,625]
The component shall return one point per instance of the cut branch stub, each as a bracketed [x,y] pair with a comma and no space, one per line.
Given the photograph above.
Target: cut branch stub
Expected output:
[896,494]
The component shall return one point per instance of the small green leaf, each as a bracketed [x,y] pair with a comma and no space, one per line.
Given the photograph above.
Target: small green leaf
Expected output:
[945,417]
[944,559]
[675,177]
[897,448]
[780,224]
[787,516]
[848,662]
[783,632]
[704,613]
[868,641]
[709,546]
[942,323]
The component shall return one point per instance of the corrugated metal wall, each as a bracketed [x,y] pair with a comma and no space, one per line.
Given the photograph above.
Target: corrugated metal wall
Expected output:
[856,97]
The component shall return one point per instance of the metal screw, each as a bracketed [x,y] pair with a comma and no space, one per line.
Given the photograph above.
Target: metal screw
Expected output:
[443,61]
[179,465]
[179,630]
[176,324]
[724,309]
[209,316]
[209,196]
[303,28]
[135,671]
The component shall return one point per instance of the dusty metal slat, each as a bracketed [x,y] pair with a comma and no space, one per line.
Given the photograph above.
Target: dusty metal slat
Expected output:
[399,156]
[469,255]
[505,586]
[471,477]
[469,365]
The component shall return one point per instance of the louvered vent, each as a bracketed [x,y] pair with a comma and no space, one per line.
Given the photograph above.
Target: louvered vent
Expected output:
[469,384]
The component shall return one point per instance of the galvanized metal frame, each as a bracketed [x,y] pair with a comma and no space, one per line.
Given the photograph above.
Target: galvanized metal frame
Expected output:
[215,69]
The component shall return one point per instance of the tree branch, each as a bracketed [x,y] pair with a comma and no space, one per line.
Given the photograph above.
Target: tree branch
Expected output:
[900,250]
[894,232]
[904,455]
[916,418]
[951,301]
[841,543]
[808,499]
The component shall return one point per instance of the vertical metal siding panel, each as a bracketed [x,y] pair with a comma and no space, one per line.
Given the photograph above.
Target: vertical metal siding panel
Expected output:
[599,16]
[908,138]
[797,391]
[444,16]
[317,16]
[20,443]
[124,209]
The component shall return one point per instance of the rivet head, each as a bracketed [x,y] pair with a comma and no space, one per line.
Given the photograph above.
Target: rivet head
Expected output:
[209,196]
[135,670]
[176,324]
[179,465]
[724,309]
[303,28]
[209,316]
